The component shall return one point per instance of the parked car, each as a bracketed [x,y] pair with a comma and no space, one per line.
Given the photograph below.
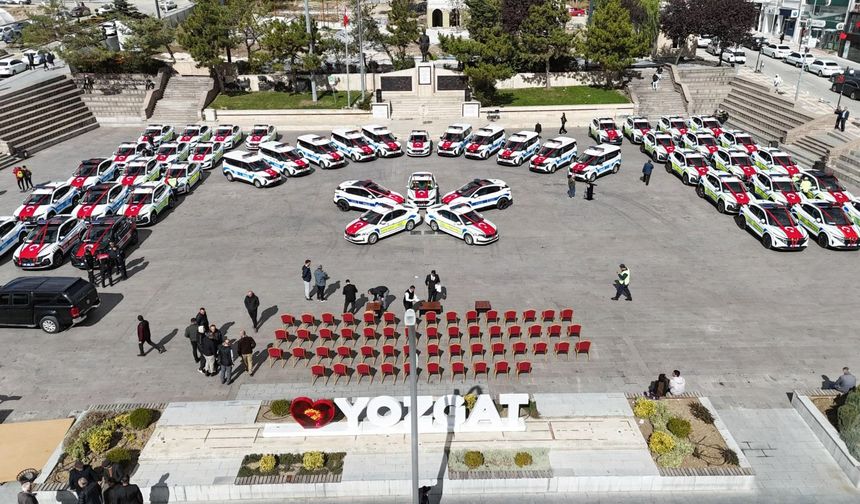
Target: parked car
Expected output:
[79,11]
[52,303]
[735,55]
[799,59]
[824,67]
[703,41]
[778,51]
[576,12]
[12,66]
[104,9]
[849,88]
[754,42]
[167,5]
[714,47]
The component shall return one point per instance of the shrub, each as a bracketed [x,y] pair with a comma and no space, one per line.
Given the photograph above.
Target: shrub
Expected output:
[334,462]
[852,441]
[78,449]
[98,439]
[313,461]
[533,411]
[699,411]
[280,407]
[268,464]
[853,398]
[660,417]
[730,457]
[644,408]
[122,419]
[523,459]
[676,456]
[679,427]
[473,459]
[470,399]
[848,416]
[140,418]
[118,456]
[661,442]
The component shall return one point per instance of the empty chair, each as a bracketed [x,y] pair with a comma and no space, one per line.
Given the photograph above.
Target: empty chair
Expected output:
[348,319]
[328,319]
[501,366]
[514,331]
[471,317]
[308,319]
[535,331]
[510,317]
[492,317]
[388,350]
[433,368]
[388,332]
[574,330]
[387,369]
[366,352]
[498,349]
[288,320]
[562,347]
[495,331]
[583,346]
[523,367]
[338,370]
[529,316]
[389,319]
[554,331]
[480,367]
[347,334]
[363,370]
[369,318]
[303,335]
[299,353]
[474,331]
[369,334]
[476,349]
[433,350]
[431,332]
[457,367]
[453,332]
[406,369]
[319,371]
[540,348]
[281,335]
[431,319]
[325,334]
[405,352]
[344,352]
[452,318]
[276,354]
[547,316]
[323,352]
[454,350]
[566,315]
[519,348]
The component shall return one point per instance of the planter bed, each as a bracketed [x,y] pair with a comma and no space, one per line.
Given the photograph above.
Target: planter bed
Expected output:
[288,468]
[818,408]
[500,464]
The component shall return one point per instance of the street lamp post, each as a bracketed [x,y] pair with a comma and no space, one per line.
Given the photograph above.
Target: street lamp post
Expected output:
[800,74]
[360,51]
[308,28]
[409,319]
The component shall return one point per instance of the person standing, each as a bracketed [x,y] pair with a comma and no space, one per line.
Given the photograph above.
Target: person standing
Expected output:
[80,470]
[128,493]
[677,383]
[50,59]
[647,168]
[782,37]
[306,278]
[19,177]
[105,268]
[118,258]
[225,359]
[777,81]
[246,346]
[89,492]
[409,298]
[349,292]
[433,283]
[843,116]
[252,303]
[571,185]
[563,130]
[191,336]
[202,320]
[538,129]
[208,347]
[589,190]
[90,263]
[30,65]
[838,113]
[622,283]
[655,79]
[26,495]
[320,278]
[144,336]
[28,175]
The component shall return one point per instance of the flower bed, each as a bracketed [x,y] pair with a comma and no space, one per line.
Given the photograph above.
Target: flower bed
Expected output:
[681,434]
[307,467]
[490,464]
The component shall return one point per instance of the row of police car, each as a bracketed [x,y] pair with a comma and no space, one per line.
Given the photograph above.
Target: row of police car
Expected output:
[770,195]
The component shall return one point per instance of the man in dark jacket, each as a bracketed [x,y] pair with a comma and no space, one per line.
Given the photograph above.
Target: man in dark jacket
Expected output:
[349,292]
[431,281]
[90,263]
[118,257]
[646,172]
[252,303]
[209,347]
[105,267]
[26,495]
[89,492]
[128,493]
[320,279]
[111,471]
[306,278]
[225,359]
[246,346]
[191,336]
[144,336]
[409,298]
[78,471]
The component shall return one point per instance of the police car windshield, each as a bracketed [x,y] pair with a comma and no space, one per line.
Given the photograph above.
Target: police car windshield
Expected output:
[152,132]
[176,172]
[710,123]
[607,125]
[167,150]
[741,160]
[385,137]
[125,151]
[371,217]
[471,187]
[418,138]
[744,140]
[290,155]
[48,234]
[376,188]
[514,145]
[422,185]
[471,217]
[641,125]
[135,169]
[191,132]
[783,186]
[38,199]
[140,198]
[706,140]
[95,232]
[780,217]
[452,137]
[257,166]
[678,124]
[734,186]
[87,170]
[327,148]
[92,196]
[587,159]
[259,132]
[782,160]
[223,132]
[481,139]
[835,217]
[829,183]
[546,151]
[203,149]
[664,141]
[696,161]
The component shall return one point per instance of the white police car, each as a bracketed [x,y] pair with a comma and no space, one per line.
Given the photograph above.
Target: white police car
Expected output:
[148,202]
[260,133]
[454,141]
[826,187]
[47,244]
[604,130]
[687,164]
[734,161]
[658,145]
[704,123]
[674,125]
[352,144]
[12,232]
[101,200]
[249,167]
[320,151]
[157,134]
[773,224]
[554,154]
[419,144]
[828,224]
[93,171]
[519,148]
[485,142]
[727,191]
[596,161]
[382,221]
[194,133]
[739,139]
[228,134]
[481,194]
[773,160]
[422,189]
[635,127]
[285,158]
[778,188]
[207,154]
[852,210]
[364,195]
[700,141]
[171,152]
[463,222]
[127,151]
[139,171]
[46,201]
[382,140]
[183,176]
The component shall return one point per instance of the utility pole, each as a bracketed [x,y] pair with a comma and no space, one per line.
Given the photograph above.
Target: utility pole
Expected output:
[360,50]
[311,35]
[409,319]
[346,38]
[157,10]
[800,74]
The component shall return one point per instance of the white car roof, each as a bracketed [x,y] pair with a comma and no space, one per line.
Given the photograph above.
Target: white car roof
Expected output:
[242,156]
[690,153]
[314,139]
[599,150]
[702,134]
[460,208]
[776,177]
[703,117]
[127,144]
[458,127]
[181,164]
[148,186]
[347,132]
[660,134]
[605,120]
[637,118]
[421,175]
[418,132]
[488,130]
[775,151]
[559,142]
[523,135]
[734,151]
[277,146]
[261,126]
[204,144]
[726,176]
[376,128]
[224,126]
[155,125]
[671,117]
[194,125]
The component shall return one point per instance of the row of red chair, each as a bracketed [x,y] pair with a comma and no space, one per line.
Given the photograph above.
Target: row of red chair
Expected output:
[386,369]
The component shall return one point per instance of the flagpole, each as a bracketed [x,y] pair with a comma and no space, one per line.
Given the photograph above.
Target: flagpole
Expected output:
[346,31]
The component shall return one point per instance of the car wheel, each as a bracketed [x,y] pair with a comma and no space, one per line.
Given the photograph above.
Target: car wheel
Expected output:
[324,165]
[343,205]
[355,157]
[410,225]
[740,221]
[503,203]
[229,177]
[468,239]
[820,73]
[642,148]
[554,168]
[153,219]
[592,177]
[616,168]
[258,184]
[372,239]
[668,167]
[721,206]
[822,240]
[700,191]
[50,324]
[853,95]
[57,260]
[766,242]
[686,179]
[434,226]
[171,202]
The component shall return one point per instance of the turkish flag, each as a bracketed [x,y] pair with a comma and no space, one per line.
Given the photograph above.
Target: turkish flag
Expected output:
[345,20]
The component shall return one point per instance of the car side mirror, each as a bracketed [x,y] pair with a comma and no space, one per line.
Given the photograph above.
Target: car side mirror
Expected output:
[818,220]
[762,221]
[62,237]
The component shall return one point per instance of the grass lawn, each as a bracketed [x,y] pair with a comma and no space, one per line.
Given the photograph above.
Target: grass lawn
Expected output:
[570,95]
[273,100]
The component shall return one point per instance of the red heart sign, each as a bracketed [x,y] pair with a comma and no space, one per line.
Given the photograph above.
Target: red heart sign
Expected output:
[312,414]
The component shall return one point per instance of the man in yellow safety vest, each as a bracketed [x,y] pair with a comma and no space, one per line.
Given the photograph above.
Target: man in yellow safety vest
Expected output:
[621,285]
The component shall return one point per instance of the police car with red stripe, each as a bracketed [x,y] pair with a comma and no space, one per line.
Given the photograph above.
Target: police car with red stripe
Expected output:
[485,142]
[228,134]
[519,148]
[419,144]
[320,151]
[773,160]
[352,144]
[704,123]
[364,195]
[156,134]
[93,171]
[98,236]
[101,200]
[463,222]
[422,189]
[171,152]
[127,151]
[688,164]
[194,133]
[635,128]
[148,202]
[139,171]
[12,232]
[382,221]
[251,168]
[852,210]
[727,191]
[260,134]
[454,141]
[604,130]
[207,154]
[46,201]
[778,188]
[674,125]
[382,140]
[828,224]
[773,224]
[481,194]
[47,244]
[596,161]
[658,145]
[183,176]
[734,161]
[554,154]
[738,139]
[285,158]
[700,141]
[826,187]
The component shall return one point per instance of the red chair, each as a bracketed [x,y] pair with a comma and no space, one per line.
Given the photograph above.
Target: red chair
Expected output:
[574,330]
[434,368]
[457,367]
[454,350]
[347,334]
[348,319]
[338,370]
[369,334]
[303,335]
[454,332]
[492,317]
[369,318]
[405,352]
[529,316]
[325,334]
[566,315]
[452,318]
[547,316]
[480,367]
[519,348]
[501,367]
[344,352]
[366,352]
[319,371]
[495,331]
[432,332]
[510,317]
[523,367]
[514,331]
[430,318]
[281,335]
[541,348]
[474,331]
[387,369]
[288,320]
[498,349]
[308,319]
[389,350]
[583,346]
[535,331]
[328,319]
[388,318]
[471,317]
[562,347]
[406,371]
[364,370]
[388,332]
[433,350]
[554,330]
[476,349]
[276,354]
[323,352]
[300,353]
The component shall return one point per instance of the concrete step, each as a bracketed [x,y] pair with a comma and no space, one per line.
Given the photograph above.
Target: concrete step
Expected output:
[70,118]
[62,136]
[7,161]
[36,111]
[15,97]
[803,156]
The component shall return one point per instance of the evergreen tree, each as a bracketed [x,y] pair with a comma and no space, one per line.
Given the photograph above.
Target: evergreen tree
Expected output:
[611,40]
[543,35]
[514,12]
[205,33]
[403,31]
[150,35]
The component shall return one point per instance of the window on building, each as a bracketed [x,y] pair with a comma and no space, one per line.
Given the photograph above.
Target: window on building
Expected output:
[436,21]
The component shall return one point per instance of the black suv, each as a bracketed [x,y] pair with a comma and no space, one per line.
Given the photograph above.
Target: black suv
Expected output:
[52,303]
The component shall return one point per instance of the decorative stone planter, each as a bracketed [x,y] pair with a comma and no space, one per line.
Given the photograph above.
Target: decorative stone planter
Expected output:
[825,432]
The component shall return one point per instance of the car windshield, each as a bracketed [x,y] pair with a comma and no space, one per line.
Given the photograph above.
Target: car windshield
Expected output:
[739,53]
[418,138]
[696,161]
[482,139]
[176,172]
[711,123]
[547,151]
[87,170]
[641,125]
[734,186]
[783,186]
[202,150]
[125,151]
[472,217]
[47,234]
[783,48]
[831,64]
[152,132]
[741,160]
[744,140]
[829,183]
[95,232]
[259,131]
[93,196]
[608,125]
[223,132]
[514,145]
[376,188]
[167,151]
[38,199]
[257,166]
[289,155]
[140,198]
[706,140]
[664,140]
[356,142]
[780,217]
[421,184]
[134,170]
[587,159]
[782,160]
[679,124]
[371,217]
[835,217]
[192,132]
[452,137]
[471,187]
[386,137]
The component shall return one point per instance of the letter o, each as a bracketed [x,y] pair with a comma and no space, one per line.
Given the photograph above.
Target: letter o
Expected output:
[395,411]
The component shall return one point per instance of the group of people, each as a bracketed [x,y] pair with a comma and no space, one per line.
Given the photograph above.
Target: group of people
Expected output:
[47,59]
[213,352]
[109,485]
[571,187]
[107,261]
[24,177]
[674,386]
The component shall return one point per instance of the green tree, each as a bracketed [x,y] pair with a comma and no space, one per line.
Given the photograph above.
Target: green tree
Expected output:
[245,16]
[678,21]
[290,42]
[543,35]
[125,9]
[205,33]
[645,15]
[611,40]
[150,35]
[403,32]
[47,25]
[729,21]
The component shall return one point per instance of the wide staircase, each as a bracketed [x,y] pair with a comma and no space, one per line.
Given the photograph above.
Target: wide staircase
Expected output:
[814,145]
[768,116]
[708,86]
[42,115]
[181,101]
[653,104]
[846,166]
[438,107]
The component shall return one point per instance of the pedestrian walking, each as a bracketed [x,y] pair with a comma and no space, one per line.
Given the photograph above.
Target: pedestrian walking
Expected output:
[349,293]
[622,283]
[246,346]
[110,488]
[571,185]
[410,298]
[28,176]
[252,303]
[191,336]
[117,257]
[30,65]
[589,190]
[19,178]
[105,268]
[842,118]
[128,493]
[538,128]
[777,81]
[145,336]
[434,285]
[208,348]
[44,62]
[90,264]
[306,278]
[563,130]
[26,495]
[89,492]
[50,59]
[782,37]
[225,359]
[647,168]
[320,278]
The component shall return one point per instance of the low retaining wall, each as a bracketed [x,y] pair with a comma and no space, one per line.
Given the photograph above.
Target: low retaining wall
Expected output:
[826,433]
[291,119]
[548,116]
